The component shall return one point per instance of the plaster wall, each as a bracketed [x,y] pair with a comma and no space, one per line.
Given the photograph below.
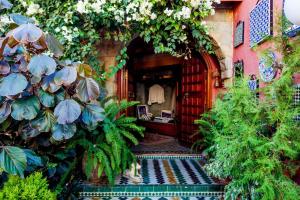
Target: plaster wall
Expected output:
[244,52]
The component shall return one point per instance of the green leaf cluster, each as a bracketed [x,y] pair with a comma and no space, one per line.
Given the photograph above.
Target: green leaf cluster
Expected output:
[31,188]
[255,143]
[106,149]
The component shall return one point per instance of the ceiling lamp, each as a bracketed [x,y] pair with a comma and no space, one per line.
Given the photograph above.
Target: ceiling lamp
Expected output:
[292,11]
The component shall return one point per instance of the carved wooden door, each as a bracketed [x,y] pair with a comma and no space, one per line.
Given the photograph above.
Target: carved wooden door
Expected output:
[192,99]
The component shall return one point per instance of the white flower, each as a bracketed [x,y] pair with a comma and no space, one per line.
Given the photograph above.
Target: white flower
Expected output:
[5,19]
[168,12]
[81,6]
[217,1]
[209,4]
[212,12]
[153,16]
[183,26]
[57,29]
[203,23]
[186,12]
[195,3]
[97,6]
[34,9]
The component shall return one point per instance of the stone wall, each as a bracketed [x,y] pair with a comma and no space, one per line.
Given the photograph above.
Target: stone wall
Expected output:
[221,30]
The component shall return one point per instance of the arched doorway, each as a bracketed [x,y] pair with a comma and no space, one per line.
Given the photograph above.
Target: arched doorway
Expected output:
[192,82]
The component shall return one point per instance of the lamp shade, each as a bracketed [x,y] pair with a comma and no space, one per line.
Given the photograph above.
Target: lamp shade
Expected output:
[292,11]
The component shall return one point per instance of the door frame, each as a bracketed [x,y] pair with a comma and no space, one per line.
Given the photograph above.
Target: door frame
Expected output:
[211,64]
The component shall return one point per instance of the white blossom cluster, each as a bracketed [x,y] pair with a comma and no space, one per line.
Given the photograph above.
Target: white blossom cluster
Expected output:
[68,34]
[33,9]
[141,10]
[4,21]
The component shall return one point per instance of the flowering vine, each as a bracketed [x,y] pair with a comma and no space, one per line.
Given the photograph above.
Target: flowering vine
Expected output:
[175,27]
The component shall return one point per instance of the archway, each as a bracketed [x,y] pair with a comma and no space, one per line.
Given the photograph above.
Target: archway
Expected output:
[193,82]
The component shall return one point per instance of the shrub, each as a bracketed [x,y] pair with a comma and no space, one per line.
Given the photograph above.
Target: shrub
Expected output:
[32,187]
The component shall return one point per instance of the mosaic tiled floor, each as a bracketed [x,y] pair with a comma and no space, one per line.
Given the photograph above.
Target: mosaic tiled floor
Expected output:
[158,198]
[165,177]
[170,171]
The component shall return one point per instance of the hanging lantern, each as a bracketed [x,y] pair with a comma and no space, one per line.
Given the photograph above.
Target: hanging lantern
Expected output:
[292,11]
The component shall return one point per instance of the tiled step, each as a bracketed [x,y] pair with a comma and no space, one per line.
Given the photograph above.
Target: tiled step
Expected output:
[164,177]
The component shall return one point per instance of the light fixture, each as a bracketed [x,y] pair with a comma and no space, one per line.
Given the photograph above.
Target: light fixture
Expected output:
[292,11]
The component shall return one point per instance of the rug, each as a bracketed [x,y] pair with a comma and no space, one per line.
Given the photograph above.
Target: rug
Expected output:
[154,139]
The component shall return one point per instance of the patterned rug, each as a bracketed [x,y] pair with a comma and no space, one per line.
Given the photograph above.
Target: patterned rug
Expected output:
[165,177]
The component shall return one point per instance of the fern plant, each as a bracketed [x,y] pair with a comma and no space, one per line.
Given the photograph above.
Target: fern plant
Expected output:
[107,147]
[256,142]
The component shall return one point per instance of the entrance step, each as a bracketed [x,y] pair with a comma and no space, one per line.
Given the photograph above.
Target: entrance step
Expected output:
[165,177]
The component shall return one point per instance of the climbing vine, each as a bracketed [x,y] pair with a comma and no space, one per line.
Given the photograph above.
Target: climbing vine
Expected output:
[174,27]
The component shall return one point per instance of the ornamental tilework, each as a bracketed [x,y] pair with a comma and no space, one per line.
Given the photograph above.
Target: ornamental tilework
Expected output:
[164,178]
[171,171]
[297,98]
[261,21]
[239,34]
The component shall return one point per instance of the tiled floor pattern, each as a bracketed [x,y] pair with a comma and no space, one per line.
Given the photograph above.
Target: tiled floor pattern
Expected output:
[170,171]
[157,198]
[165,177]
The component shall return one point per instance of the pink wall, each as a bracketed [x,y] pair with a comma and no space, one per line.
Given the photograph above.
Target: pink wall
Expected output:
[244,52]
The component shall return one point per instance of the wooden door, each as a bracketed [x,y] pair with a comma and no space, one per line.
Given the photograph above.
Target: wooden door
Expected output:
[192,102]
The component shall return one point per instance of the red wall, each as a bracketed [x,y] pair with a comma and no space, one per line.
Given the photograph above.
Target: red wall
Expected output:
[244,52]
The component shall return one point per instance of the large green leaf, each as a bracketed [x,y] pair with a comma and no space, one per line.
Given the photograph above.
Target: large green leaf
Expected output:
[26,108]
[54,45]
[4,67]
[67,111]
[88,90]
[46,99]
[12,84]
[41,64]
[66,76]
[92,114]
[26,33]
[13,160]
[49,85]
[5,111]
[44,122]
[63,132]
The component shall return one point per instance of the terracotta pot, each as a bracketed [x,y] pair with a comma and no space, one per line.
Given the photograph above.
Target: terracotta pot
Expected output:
[93,178]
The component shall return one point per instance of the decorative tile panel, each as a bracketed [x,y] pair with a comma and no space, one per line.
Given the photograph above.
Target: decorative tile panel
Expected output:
[297,98]
[261,22]
[239,34]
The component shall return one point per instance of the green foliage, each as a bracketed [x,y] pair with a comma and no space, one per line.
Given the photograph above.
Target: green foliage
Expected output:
[255,143]
[106,147]
[174,27]
[48,104]
[31,188]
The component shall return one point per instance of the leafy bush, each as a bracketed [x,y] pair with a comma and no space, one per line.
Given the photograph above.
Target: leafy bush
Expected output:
[47,102]
[31,188]
[255,143]
[108,144]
